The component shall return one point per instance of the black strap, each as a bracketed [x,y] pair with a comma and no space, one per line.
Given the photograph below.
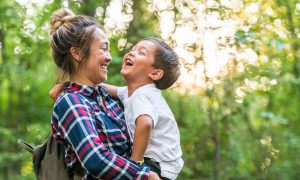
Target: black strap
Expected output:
[154,166]
[25,145]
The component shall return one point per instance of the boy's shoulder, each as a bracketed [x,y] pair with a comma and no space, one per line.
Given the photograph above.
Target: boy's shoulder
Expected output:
[148,93]
[148,88]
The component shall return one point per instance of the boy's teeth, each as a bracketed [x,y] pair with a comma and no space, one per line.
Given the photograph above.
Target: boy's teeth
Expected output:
[129,63]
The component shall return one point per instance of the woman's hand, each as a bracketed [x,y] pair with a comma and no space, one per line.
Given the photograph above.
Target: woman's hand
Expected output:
[153,176]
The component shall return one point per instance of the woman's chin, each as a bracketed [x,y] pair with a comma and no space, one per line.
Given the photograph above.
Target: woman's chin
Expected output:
[101,79]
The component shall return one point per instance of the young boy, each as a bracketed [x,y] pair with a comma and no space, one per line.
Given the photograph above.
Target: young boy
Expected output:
[149,67]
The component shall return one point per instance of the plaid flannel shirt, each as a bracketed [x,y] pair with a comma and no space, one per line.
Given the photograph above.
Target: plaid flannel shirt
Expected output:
[95,134]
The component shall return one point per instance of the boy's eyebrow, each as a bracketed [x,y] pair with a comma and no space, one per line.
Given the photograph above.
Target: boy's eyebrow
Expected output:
[133,46]
[145,48]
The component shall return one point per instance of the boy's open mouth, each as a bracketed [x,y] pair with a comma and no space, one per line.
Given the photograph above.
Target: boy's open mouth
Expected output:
[128,62]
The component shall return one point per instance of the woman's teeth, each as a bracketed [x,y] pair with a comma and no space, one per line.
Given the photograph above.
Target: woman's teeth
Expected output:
[104,67]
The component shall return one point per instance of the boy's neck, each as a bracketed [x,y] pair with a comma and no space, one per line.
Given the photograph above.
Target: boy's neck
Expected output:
[133,86]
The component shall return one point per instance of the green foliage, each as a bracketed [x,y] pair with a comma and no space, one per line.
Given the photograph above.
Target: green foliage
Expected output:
[245,126]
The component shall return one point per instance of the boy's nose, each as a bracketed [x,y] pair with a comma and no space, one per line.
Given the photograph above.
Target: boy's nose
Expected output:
[131,53]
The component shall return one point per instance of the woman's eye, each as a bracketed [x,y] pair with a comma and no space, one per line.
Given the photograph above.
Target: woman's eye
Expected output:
[104,49]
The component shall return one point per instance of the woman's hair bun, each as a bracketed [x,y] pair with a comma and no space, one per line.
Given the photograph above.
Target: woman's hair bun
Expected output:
[59,17]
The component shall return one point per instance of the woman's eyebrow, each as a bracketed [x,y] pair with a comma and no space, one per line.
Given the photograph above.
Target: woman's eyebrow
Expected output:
[104,44]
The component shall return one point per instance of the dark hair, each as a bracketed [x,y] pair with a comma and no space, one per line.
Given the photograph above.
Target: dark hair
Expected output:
[165,59]
[68,30]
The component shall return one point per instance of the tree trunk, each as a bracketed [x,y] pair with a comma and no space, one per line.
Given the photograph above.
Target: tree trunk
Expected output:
[294,39]
[132,29]
[2,115]
[216,139]
[1,70]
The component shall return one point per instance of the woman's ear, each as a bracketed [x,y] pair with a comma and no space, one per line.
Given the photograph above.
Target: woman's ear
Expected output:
[156,74]
[75,53]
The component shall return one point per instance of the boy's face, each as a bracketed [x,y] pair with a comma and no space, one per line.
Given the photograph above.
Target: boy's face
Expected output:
[138,63]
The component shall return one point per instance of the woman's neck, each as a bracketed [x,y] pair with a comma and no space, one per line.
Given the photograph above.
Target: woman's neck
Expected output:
[80,80]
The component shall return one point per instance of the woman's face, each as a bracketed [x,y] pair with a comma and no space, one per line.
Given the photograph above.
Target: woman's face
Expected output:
[138,63]
[94,71]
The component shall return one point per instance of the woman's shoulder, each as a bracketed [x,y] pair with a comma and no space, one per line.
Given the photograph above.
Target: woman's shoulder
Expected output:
[68,99]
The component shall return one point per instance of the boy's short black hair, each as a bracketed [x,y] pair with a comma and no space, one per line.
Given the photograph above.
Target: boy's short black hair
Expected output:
[167,60]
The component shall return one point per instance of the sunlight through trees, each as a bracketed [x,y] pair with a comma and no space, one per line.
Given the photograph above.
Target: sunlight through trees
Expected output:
[236,102]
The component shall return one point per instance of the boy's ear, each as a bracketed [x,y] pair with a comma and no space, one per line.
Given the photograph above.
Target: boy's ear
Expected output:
[75,53]
[156,74]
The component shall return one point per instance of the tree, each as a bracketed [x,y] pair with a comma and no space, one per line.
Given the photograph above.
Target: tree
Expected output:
[236,102]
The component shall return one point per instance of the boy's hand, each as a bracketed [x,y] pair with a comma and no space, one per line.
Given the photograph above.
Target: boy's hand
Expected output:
[153,176]
[55,91]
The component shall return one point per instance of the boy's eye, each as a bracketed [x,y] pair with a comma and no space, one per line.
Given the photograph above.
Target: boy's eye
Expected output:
[142,53]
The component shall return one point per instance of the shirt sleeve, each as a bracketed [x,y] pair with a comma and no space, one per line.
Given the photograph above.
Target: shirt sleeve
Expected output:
[142,105]
[76,124]
[121,92]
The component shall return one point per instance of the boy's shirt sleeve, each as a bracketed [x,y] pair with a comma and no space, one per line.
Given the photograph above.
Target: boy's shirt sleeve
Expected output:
[75,121]
[142,105]
[121,93]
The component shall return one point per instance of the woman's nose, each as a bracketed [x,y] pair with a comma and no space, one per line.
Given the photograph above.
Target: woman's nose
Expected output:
[107,56]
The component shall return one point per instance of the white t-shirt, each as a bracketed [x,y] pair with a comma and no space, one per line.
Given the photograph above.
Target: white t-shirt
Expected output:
[164,145]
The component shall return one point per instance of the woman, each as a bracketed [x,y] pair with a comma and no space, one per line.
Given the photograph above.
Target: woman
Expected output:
[85,118]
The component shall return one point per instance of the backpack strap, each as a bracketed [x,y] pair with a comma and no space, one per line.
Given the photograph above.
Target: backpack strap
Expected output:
[38,155]
[25,145]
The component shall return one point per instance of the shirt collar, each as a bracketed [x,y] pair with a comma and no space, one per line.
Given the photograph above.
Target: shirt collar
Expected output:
[85,90]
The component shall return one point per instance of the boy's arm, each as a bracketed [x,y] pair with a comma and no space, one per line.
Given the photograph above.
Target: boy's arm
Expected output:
[111,89]
[55,91]
[141,137]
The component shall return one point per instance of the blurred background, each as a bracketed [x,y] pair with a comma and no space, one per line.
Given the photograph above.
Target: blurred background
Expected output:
[237,102]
